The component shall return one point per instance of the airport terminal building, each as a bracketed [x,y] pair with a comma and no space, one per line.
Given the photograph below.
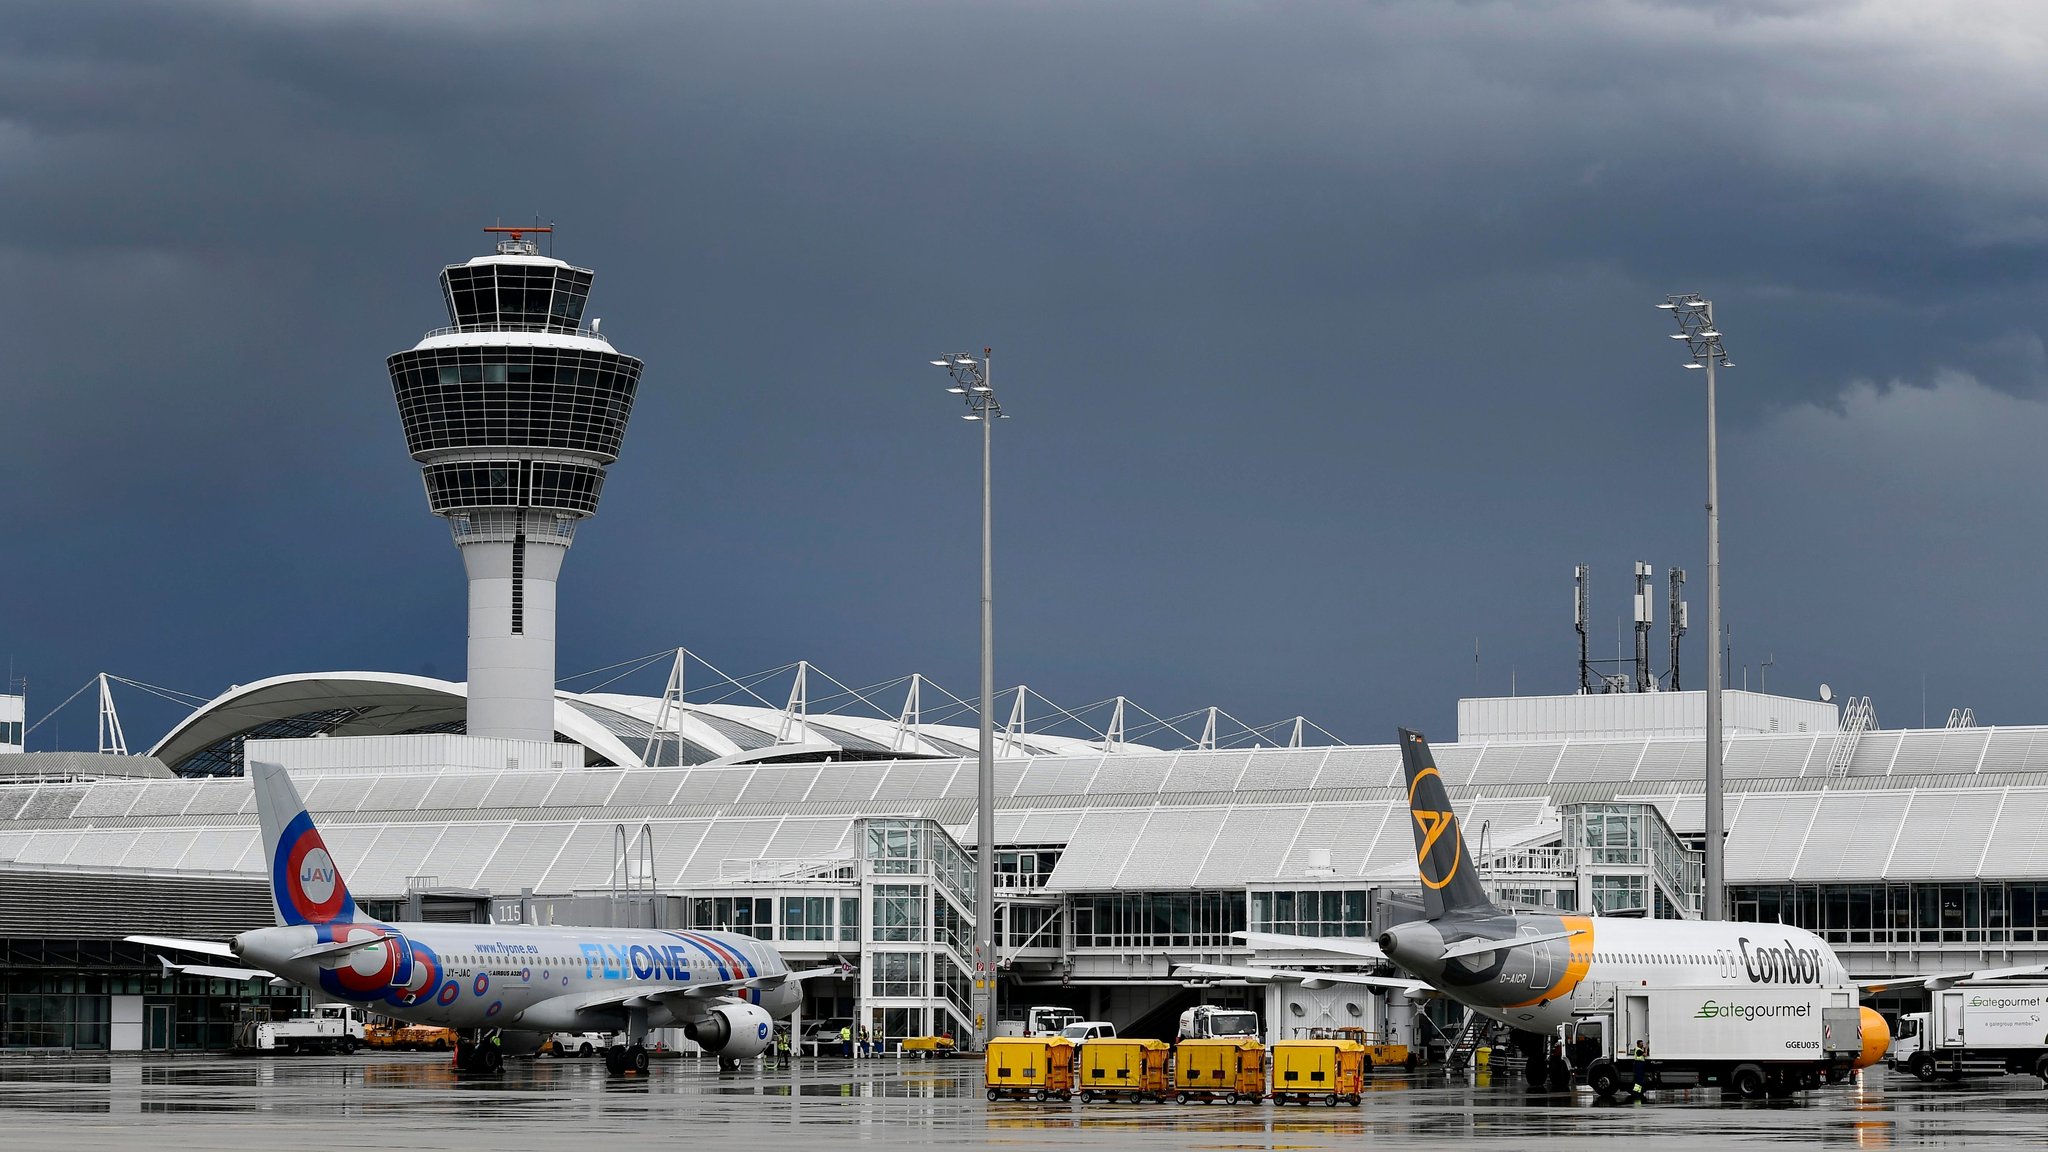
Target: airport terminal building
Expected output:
[849,840]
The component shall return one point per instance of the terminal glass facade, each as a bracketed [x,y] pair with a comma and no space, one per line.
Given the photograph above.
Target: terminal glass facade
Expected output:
[1313,912]
[1903,915]
[1148,920]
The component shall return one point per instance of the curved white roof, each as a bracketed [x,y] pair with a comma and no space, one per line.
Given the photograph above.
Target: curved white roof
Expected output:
[613,728]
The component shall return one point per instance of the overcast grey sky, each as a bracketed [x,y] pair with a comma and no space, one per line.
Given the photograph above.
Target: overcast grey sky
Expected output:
[1326,331]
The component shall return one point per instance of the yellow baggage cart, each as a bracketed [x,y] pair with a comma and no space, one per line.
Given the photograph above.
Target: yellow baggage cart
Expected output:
[1326,1070]
[1120,1068]
[1030,1068]
[1231,1068]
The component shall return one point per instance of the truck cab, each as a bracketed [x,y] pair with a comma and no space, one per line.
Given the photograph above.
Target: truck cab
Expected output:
[1039,1020]
[1208,1022]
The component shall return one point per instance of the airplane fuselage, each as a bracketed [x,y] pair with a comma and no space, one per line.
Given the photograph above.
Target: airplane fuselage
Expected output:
[516,976]
[1538,986]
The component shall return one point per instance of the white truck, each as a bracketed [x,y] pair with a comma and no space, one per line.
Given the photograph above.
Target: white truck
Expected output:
[327,1028]
[1753,1041]
[1207,1021]
[1043,1020]
[1975,1029]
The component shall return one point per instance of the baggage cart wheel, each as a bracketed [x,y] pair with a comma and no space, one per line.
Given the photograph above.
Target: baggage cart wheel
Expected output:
[1182,1097]
[1038,1094]
[991,1095]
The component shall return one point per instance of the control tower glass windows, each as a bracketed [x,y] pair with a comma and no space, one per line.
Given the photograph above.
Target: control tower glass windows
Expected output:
[558,398]
[513,484]
[514,296]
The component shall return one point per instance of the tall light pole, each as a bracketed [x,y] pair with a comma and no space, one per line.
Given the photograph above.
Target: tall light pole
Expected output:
[1695,316]
[970,381]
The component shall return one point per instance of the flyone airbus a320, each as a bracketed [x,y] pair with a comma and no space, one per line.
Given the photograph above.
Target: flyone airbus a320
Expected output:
[725,991]
[1535,971]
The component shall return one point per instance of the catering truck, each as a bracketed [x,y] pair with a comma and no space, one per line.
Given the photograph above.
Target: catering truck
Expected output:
[1975,1029]
[1753,1041]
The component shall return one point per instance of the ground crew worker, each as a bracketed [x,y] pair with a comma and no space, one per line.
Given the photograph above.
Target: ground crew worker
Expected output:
[782,1047]
[1642,1055]
[846,1041]
[863,1040]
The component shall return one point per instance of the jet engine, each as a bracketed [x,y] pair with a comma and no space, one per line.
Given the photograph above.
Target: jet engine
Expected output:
[1877,1039]
[733,1031]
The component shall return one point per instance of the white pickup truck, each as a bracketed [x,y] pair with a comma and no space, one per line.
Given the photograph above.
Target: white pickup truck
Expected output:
[328,1028]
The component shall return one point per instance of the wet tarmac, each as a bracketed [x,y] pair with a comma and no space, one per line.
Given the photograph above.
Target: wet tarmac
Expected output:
[416,1102]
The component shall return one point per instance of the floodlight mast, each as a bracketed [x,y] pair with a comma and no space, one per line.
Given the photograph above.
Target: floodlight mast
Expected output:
[970,381]
[1695,316]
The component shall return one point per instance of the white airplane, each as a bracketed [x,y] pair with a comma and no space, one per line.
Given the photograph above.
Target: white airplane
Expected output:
[1535,971]
[724,990]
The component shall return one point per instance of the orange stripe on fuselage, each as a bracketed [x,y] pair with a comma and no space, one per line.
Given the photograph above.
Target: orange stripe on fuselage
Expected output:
[1581,947]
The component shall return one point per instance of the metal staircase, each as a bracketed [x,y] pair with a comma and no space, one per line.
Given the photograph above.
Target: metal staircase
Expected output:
[1858,717]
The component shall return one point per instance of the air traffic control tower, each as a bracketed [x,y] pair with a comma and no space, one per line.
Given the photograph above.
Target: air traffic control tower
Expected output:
[514,410]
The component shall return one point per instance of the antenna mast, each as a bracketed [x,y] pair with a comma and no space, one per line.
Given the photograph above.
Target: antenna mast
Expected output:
[1581,601]
[1677,621]
[1644,612]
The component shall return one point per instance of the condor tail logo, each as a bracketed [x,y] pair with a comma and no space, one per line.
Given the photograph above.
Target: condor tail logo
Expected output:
[1430,827]
[1449,882]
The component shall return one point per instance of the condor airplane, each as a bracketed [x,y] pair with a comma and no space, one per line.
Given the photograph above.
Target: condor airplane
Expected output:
[1535,971]
[725,991]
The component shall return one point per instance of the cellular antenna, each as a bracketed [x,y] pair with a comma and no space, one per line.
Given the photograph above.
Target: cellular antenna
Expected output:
[1581,602]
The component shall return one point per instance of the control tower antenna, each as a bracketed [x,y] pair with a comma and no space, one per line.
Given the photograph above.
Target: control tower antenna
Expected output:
[514,413]
[1581,603]
[1678,621]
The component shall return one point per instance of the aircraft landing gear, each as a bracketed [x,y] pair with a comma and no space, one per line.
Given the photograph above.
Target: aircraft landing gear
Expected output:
[620,1059]
[633,1056]
[478,1051]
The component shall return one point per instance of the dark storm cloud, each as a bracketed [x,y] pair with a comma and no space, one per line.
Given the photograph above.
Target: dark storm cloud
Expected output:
[1326,330]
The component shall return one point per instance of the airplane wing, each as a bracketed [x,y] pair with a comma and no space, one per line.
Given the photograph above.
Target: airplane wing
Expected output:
[1340,945]
[216,971]
[1483,947]
[1414,989]
[1947,979]
[180,944]
[815,973]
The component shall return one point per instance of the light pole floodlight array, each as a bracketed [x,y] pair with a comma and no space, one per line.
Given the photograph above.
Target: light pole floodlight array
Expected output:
[970,382]
[1695,316]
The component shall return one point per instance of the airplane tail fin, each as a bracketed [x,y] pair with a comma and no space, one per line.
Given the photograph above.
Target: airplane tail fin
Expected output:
[305,885]
[1450,883]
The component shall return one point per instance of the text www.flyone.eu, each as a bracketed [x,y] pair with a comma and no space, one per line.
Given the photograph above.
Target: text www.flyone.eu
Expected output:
[1716,1010]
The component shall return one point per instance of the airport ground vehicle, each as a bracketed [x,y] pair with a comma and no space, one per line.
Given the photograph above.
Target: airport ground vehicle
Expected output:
[1206,1021]
[1084,1030]
[1113,1069]
[927,1047]
[1975,1029]
[821,1037]
[1380,1052]
[1039,1020]
[1754,1042]
[1331,1071]
[575,1043]
[327,1028]
[1230,1068]
[386,1033]
[1030,1068]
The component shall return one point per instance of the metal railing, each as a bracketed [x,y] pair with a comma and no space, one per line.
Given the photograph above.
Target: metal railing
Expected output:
[514,326]
[787,869]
